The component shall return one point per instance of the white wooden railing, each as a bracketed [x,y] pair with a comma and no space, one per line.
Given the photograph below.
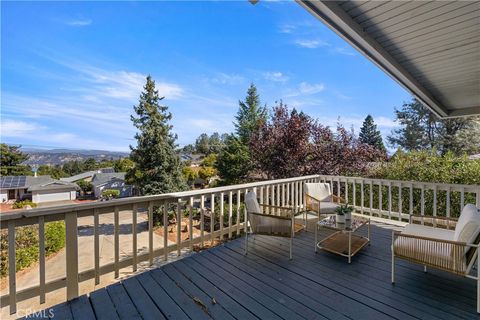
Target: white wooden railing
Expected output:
[397,200]
[223,200]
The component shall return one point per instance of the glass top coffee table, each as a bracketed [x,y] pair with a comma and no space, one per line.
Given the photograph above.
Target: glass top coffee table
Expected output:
[343,241]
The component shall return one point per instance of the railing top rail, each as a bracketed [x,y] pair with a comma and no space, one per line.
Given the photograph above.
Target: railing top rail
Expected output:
[452,185]
[193,193]
[28,213]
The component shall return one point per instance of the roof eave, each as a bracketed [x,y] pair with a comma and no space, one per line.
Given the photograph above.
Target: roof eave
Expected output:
[341,23]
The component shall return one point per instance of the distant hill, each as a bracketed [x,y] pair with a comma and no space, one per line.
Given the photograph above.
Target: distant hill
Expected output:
[60,156]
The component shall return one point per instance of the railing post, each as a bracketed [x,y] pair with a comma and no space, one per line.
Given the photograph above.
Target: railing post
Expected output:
[12,268]
[389,200]
[96,246]
[222,195]
[150,233]
[212,218]
[134,237]
[116,241]
[371,197]
[165,230]
[346,191]
[400,202]
[71,247]
[230,213]
[41,242]
[380,199]
[190,224]
[179,227]
[239,194]
[362,197]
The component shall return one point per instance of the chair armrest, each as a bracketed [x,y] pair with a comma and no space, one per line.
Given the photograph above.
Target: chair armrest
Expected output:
[338,199]
[311,198]
[278,209]
[433,217]
[397,234]
[270,216]
[434,220]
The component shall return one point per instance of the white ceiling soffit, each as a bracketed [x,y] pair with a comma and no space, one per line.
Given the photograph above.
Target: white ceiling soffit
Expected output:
[432,48]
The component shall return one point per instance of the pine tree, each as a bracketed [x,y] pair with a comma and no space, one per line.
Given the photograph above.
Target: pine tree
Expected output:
[250,115]
[421,129]
[370,135]
[234,161]
[157,165]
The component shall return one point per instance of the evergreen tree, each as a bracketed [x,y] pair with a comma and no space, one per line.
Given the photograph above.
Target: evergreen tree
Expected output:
[202,144]
[157,165]
[423,130]
[250,115]
[234,161]
[11,159]
[370,135]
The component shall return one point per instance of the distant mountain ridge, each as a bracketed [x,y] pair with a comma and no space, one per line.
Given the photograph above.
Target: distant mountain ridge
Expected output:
[60,156]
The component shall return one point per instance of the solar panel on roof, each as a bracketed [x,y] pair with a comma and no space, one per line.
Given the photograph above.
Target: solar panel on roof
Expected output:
[13,182]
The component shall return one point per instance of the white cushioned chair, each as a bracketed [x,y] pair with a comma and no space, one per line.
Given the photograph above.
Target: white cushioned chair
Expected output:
[453,251]
[319,198]
[276,221]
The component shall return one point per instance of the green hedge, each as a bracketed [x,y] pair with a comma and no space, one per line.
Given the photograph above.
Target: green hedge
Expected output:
[422,166]
[22,204]
[27,245]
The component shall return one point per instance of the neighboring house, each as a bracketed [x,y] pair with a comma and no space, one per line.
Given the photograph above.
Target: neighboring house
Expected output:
[38,189]
[194,159]
[87,176]
[114,180]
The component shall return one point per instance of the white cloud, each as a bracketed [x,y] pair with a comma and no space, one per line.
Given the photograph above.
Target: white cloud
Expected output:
[287,28]
[230,79]
[15,128]
[79,22]
[125,84]
[275,76]
[306,88]
[385,122]
[311,43]
[345,51]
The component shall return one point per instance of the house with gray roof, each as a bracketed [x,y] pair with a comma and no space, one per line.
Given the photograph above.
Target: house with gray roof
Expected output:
[88,175]
[38,189]
[113,180]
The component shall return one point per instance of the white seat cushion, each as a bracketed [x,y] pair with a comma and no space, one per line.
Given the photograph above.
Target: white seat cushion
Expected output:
[468,225]
[320,191]
[406,246]
[325,207]
[429,232]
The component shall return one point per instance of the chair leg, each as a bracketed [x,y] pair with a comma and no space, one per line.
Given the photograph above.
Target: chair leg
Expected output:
[393,258]
[246,242]
[291,245]
[478,283]
[393,268]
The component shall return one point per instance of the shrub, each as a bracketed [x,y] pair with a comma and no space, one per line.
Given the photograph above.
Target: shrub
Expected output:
[27,245]
[425,166]
[110,193]
[86,186]
[22,204]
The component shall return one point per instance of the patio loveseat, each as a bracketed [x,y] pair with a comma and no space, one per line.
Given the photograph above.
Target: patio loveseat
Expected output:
[454,251]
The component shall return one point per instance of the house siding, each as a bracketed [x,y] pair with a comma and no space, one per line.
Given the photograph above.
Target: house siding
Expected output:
[48,196]
[3,195]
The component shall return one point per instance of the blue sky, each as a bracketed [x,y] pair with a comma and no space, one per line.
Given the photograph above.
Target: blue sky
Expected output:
[71,72]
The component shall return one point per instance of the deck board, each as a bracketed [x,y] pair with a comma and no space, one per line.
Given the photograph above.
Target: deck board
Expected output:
[223,283]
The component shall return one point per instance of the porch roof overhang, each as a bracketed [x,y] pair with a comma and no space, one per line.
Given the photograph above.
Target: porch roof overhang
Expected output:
[431,48]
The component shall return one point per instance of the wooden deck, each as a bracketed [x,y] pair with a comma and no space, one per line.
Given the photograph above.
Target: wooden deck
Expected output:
[222,283]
